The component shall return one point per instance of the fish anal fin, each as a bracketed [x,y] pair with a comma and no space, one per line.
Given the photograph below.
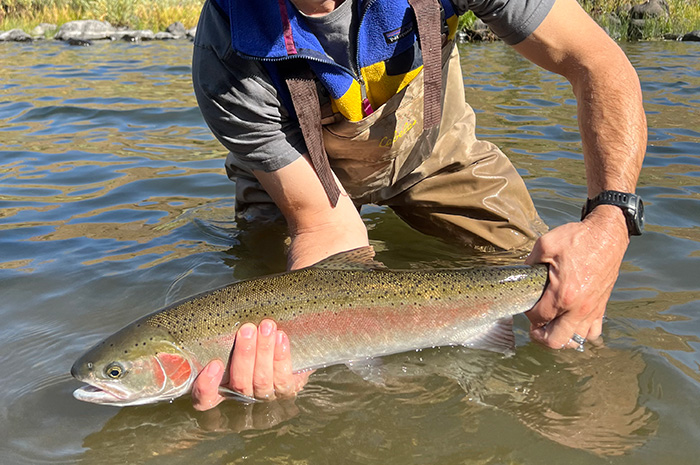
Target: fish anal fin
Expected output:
[175,367]
[361,258]
[497,337]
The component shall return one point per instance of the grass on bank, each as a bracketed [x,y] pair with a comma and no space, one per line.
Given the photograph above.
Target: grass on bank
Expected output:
[613,16]
[136,14]
[158,14]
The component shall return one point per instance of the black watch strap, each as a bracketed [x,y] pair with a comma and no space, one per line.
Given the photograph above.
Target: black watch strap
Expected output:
[630,204]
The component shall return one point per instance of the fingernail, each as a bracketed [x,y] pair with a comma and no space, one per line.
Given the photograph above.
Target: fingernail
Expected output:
[247,331]
[266,328]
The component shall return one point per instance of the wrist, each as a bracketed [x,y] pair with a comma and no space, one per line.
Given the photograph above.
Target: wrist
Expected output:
[610,220]
[630,205]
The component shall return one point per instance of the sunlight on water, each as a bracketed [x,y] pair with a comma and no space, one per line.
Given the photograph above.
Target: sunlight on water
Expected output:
[114,202]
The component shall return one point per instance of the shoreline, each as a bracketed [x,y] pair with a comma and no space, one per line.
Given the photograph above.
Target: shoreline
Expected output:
[135,20]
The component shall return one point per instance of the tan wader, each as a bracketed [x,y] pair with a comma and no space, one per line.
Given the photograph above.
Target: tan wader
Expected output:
[463,190]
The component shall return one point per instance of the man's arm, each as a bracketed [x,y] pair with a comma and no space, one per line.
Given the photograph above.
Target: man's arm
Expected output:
[261,364]
[585,257]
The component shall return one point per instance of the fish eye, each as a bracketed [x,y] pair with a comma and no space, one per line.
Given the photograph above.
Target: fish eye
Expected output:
[114,371]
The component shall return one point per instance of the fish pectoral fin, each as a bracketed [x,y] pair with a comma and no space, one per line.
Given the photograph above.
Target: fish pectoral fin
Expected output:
[231,394]
[361,258]
[497,337]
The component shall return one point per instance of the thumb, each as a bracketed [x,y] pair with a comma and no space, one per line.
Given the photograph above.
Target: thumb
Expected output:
[205,390]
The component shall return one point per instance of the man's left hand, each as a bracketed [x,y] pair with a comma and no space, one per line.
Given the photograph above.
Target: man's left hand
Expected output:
[584,261]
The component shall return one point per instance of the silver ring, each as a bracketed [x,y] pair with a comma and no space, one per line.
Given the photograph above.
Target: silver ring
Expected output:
[580,340]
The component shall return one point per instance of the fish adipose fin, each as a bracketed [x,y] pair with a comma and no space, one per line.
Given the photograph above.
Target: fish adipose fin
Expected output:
[231,394]
[497,337]
[361,258]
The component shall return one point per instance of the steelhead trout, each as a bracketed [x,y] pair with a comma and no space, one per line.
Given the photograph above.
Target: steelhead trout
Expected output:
[343,309]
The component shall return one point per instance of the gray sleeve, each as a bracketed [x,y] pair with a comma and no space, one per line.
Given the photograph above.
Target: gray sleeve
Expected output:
[511,20]
[239,102]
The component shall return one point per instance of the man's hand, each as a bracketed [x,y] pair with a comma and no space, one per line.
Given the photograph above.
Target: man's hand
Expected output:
[261,367]
[584,261]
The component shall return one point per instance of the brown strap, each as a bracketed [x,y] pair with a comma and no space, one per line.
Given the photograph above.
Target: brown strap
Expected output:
[428,18]
[302,88]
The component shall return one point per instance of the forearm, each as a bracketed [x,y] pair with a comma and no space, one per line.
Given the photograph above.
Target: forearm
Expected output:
[611,121]
[610,114]
[317,229]
[335,231]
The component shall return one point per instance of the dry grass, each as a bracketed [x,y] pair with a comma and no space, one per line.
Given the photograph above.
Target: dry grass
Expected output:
[137,14]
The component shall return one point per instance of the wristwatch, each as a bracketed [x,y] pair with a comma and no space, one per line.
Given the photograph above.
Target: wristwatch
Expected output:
[630,204]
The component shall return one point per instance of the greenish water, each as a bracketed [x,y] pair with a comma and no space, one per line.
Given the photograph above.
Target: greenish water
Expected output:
[114,202]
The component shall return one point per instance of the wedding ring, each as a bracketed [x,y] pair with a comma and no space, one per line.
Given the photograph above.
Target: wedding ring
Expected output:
[580,340]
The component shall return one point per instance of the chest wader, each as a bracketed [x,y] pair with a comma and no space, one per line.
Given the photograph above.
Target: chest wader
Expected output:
[417,153]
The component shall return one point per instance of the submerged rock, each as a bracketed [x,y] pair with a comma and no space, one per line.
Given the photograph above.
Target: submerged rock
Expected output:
[75,42]
[134,36]
[693,36]
[85,29]
[15,35]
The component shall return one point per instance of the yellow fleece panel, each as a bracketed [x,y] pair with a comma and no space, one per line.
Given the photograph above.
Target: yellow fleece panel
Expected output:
[350,103]
[452,23]
[381,86]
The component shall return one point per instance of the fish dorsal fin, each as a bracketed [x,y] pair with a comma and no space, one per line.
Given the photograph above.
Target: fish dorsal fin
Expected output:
[361,258]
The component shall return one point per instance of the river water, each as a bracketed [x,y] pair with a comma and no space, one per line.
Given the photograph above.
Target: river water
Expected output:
[114,202]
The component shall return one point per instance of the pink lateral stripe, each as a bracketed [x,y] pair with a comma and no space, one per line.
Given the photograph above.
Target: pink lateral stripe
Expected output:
[287,27]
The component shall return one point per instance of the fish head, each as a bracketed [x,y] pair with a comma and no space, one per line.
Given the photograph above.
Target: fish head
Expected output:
[141,364]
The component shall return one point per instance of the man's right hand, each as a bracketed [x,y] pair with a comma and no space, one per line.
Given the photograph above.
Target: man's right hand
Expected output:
[261,367]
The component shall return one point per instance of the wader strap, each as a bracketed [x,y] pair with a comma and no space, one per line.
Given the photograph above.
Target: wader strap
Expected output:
[428,18]
[302,88]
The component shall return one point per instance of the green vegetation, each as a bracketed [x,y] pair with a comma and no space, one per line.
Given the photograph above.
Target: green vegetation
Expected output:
[137,14]
[158,14]
[614,16]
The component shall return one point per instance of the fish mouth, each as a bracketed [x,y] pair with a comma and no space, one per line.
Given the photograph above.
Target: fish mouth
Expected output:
[96,395]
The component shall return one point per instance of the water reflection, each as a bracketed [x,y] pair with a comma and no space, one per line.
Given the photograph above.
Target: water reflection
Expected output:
[588,402]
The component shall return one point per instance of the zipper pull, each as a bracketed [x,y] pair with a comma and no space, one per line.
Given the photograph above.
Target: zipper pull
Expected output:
[366,106]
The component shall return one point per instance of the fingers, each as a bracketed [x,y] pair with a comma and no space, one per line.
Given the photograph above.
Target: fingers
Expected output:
[284,379]
[205,390]
[262,363]
[263,374]
[243,360]
[261,367]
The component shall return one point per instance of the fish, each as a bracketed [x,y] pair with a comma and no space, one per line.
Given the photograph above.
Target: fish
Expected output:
[345,309]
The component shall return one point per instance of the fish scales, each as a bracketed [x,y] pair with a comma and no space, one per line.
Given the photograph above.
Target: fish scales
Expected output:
[361,303]
[343,309]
